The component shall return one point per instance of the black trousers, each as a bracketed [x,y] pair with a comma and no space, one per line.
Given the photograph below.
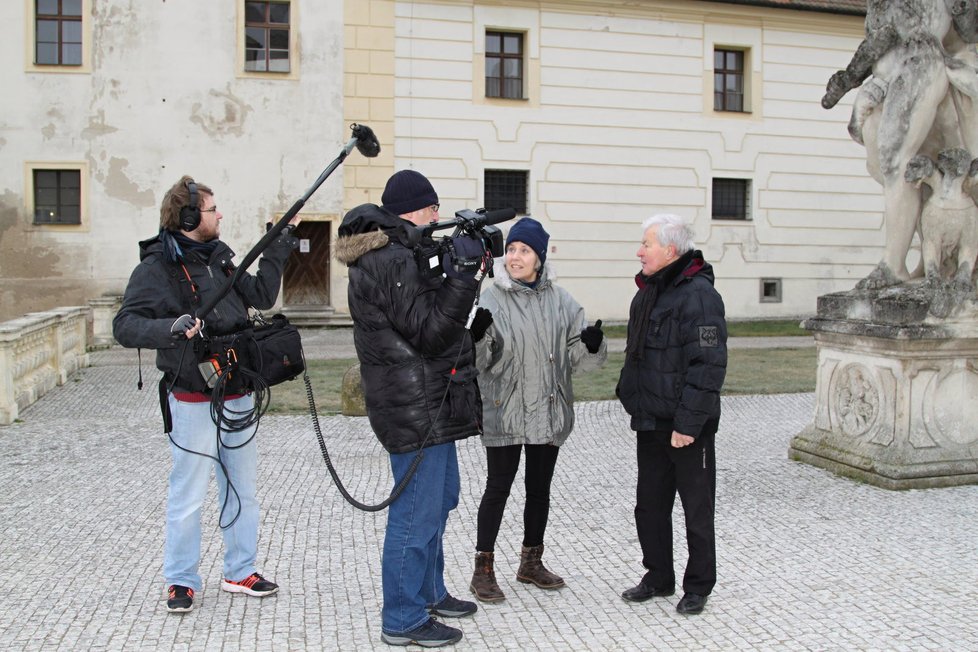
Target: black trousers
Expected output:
[503,463]
[664,471]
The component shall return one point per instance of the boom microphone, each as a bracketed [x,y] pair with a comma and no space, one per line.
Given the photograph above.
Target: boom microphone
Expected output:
[367,143]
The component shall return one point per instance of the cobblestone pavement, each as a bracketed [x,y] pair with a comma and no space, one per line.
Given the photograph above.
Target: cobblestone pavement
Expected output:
[807,560]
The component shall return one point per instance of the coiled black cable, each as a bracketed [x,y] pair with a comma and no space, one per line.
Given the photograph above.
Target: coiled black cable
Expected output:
[402,485]
[238,420]
[397,491]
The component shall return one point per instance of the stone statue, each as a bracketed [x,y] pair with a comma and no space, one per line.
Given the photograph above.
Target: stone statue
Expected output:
[917,73]
[896,357]
[948,226]
[949,220]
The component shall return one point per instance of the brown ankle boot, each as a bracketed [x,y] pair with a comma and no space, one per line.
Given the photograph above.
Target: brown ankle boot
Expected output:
[532,570]
[484,584]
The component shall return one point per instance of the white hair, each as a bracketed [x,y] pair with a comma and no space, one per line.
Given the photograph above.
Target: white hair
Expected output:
[673,230]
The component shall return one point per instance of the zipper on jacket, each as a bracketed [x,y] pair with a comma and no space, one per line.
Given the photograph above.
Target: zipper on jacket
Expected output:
[214,311]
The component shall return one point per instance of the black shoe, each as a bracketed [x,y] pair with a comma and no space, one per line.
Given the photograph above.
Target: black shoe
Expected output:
[643,592]
[254,584]
[180,599]
[691,604]
[452,608]
[430,634]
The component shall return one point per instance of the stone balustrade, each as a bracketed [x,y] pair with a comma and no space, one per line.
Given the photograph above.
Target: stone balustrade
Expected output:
[38,352]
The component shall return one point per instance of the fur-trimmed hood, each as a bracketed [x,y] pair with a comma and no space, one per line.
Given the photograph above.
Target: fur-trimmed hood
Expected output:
[368,227]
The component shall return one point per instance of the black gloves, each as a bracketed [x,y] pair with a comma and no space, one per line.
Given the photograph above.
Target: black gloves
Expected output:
[480,324]
[592,336]
[286,231]
[469,253]
[181,325]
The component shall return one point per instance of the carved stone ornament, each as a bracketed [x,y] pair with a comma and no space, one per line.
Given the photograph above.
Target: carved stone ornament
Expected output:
[856,400]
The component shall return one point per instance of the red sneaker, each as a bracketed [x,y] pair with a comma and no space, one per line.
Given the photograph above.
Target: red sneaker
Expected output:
[254,584]
[180,599]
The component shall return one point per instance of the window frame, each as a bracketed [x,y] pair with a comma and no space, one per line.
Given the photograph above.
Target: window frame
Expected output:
[31,42]
[30,193]
[746,204]
[727,73]
[779,288]
[241,26]
[503,201]
[503,57]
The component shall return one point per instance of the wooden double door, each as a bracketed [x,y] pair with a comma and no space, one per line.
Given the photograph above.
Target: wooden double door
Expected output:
[305,284]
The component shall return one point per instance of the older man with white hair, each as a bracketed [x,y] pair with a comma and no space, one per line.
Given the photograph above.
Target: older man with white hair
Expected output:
[675,363]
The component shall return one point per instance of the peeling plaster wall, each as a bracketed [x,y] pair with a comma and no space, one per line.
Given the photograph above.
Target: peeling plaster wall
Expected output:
[165,97]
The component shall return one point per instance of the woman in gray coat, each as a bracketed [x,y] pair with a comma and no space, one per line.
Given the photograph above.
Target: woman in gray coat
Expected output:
[537,338]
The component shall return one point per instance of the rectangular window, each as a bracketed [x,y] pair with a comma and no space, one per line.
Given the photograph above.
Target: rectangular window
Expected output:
[728,80]
[504,65]
[731,199]
[57,197]
[770,290]
[506,189]
[58,32]
[267,36]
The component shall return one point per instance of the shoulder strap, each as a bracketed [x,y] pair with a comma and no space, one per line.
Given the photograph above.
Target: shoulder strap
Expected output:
[185,282]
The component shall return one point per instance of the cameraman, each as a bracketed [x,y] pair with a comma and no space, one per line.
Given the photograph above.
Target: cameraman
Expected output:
[417,366]
[180,269]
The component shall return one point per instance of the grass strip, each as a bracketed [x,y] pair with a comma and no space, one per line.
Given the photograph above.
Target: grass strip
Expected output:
[749,371]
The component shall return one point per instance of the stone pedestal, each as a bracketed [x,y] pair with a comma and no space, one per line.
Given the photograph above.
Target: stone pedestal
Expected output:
[897,390]
[352,401]
[103,310]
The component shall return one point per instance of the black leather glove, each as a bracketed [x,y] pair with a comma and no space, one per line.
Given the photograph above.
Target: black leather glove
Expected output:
[592,336]
[480,324]
[181,325]
[466,248]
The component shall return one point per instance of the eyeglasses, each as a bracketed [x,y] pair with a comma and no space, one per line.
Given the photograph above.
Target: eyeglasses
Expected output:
[434,208]
[212,209]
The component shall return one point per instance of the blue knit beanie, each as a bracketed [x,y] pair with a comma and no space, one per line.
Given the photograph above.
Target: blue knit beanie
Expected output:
[531,233]
[408,191]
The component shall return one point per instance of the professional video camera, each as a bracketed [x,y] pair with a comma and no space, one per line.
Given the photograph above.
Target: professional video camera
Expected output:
[478,225]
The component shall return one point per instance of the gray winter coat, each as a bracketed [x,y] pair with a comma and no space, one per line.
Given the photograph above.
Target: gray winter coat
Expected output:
[526,360]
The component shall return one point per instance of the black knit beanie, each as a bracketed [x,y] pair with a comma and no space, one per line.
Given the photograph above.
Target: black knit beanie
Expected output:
[408,191]
[531,233]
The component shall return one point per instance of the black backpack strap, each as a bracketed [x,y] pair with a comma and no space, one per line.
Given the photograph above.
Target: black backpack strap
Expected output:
[186,284]
[165,405]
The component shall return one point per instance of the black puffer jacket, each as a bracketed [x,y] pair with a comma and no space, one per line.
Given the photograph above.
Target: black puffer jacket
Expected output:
[409,332]
[157,294]
[672,376]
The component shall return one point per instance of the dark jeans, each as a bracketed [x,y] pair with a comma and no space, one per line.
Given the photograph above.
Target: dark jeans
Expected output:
[662,472]
[503,463]
[413,564]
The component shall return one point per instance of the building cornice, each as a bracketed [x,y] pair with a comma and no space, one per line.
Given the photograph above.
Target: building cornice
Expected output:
[845,7]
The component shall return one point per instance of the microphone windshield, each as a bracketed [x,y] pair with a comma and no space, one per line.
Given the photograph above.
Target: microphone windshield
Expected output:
[367,143]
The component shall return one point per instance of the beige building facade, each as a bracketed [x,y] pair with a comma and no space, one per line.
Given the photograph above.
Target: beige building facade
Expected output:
[616,119]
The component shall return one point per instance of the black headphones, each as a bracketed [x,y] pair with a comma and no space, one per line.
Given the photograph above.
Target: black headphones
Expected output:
[190,214]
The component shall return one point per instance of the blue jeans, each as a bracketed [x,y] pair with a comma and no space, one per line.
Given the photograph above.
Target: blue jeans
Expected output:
[194,430]
[414,562]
